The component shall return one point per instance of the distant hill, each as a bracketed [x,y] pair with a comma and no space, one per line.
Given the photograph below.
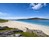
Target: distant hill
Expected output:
[37,19]
[34,19]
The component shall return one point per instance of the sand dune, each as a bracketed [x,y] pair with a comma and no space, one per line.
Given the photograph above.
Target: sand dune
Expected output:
[23,25]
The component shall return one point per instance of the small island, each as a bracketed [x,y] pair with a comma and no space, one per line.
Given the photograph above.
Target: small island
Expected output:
[37,19]
[34,19]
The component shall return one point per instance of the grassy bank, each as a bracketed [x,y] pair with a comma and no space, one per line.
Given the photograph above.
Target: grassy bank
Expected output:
[27,34]
[3,20]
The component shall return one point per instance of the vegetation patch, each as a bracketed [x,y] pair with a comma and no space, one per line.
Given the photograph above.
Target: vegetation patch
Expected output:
[3,20]
[27,34]
[7,29]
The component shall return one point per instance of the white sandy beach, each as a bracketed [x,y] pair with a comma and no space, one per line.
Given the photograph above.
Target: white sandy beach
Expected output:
[23,25]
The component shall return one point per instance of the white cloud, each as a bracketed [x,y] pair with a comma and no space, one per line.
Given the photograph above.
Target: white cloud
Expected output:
[4,14]
[37,6]
[15,17]
[9,16]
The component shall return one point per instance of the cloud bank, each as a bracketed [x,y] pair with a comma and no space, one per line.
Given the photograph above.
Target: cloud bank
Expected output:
[37,6]
[9,16]
[4,15]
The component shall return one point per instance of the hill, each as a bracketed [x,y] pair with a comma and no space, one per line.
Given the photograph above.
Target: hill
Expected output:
[34,19]
[37,19]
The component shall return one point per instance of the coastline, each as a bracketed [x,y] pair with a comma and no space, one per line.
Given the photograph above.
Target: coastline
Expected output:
[24,25]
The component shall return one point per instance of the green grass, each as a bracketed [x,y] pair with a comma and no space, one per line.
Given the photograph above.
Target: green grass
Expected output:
[27,34]
[3,20]
[8,29]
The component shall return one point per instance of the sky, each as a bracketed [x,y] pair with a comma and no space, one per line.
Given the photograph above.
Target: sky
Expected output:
[24,10]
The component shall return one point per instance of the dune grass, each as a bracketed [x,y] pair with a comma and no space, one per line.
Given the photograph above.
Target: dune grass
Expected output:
[3,20]
[27,34]
[8,29]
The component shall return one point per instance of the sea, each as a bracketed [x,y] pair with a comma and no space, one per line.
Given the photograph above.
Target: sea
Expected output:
[39,22]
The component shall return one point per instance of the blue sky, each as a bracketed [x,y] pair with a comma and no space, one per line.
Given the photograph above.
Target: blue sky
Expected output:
[24,10]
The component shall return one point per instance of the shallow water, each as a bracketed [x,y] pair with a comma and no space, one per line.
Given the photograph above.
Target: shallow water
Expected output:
[40,22]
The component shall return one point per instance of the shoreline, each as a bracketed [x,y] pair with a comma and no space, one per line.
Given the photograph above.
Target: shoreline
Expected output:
[24,25]
[32,23]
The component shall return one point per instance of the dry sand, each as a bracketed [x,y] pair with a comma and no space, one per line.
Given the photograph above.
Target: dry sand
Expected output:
[23,25]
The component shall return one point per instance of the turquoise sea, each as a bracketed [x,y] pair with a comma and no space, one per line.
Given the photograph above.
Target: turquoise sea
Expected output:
[40,22]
